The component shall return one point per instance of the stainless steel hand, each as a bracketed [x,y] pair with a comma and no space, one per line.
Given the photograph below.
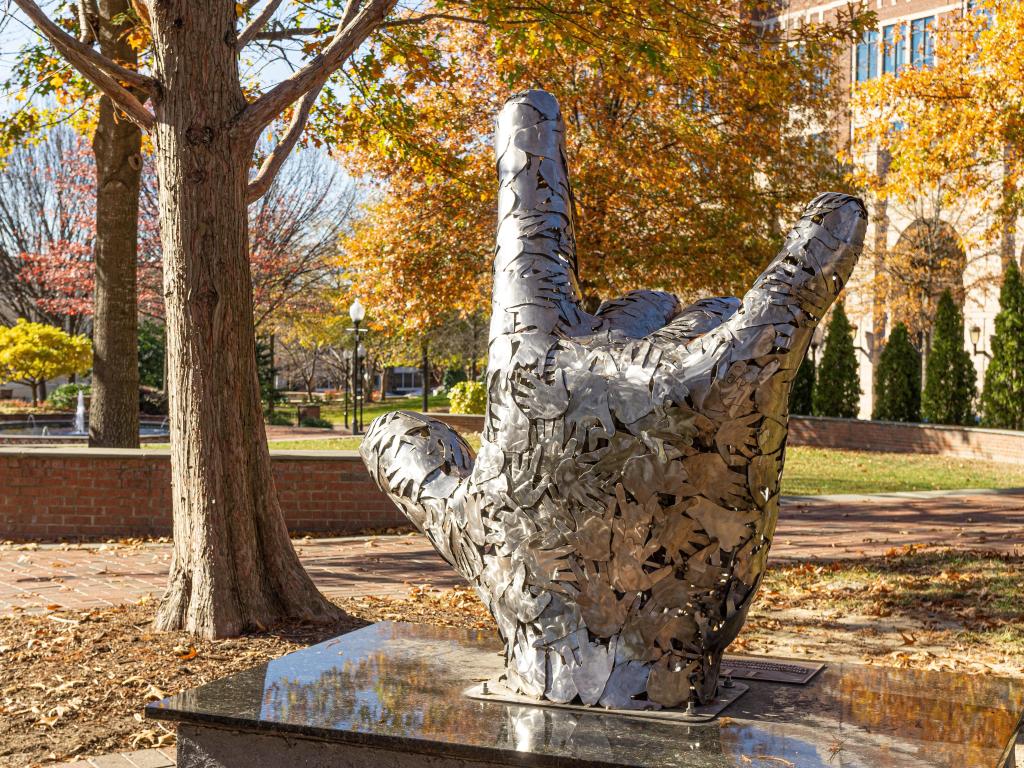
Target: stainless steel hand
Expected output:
[618,516]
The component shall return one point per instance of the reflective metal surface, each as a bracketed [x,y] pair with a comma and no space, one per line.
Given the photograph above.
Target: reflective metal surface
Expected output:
[399,686]
[618,516]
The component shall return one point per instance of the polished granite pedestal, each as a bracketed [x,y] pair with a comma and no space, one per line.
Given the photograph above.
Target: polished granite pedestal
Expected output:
[392,696]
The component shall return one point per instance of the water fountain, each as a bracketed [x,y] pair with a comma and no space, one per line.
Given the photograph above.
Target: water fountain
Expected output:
[80,414]
[70,429]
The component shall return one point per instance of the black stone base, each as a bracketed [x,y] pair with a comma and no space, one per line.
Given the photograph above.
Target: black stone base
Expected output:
[391,695]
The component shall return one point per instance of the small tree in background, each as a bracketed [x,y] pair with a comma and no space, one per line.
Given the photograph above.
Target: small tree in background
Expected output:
[32,353]
[1002,400]
[837,391]
[898,379]
[801,400]
[152,353]
[949,374]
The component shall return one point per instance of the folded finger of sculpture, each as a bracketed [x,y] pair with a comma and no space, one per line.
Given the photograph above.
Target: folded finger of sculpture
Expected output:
[617,518]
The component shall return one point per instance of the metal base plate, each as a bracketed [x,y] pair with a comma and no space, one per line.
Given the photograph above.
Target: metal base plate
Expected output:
[769,670]
[496,690]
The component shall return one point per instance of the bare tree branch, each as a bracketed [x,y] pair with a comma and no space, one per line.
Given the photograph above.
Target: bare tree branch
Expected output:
[98,69]
[268,170]
[254,26]
[406,21]
[353,29]
[291,33]
[288,33]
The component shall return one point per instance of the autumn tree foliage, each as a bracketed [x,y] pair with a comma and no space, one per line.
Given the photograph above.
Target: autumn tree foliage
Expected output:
[1002,400]
[898,379]
[954,126]
[837,389]
[949,378]
[689,139]
[33,353]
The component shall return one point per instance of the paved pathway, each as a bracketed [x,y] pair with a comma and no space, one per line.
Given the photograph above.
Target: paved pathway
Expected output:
[34,577]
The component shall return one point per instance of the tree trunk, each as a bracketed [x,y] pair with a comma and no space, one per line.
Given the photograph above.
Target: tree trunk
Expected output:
[117,146]
[234,568]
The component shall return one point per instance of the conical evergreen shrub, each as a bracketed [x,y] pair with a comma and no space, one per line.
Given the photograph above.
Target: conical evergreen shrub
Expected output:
[837,390]
[801,397]
[898,379]
[949,381]
[1002,399]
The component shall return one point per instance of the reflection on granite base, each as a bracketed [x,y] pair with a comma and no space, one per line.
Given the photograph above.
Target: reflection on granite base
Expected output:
[391,695]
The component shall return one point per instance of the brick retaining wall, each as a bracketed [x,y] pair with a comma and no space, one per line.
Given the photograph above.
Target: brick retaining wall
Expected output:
[96,494]
[854,434]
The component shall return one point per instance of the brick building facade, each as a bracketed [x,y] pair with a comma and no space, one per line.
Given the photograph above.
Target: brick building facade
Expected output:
[904,35]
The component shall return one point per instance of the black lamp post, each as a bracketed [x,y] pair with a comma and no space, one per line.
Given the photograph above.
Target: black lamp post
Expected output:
[361,355]
[347,356]
[356,312]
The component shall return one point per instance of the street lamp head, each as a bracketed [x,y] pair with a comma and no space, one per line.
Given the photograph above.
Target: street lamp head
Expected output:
[357,311]
[975,335]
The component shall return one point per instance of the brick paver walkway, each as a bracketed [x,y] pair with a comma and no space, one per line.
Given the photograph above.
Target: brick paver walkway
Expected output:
[84,576]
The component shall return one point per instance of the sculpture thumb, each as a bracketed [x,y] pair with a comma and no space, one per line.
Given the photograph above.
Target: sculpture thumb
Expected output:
[793,294]
[767,339]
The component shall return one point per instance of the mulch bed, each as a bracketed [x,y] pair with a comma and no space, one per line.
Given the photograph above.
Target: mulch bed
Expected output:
[73,684]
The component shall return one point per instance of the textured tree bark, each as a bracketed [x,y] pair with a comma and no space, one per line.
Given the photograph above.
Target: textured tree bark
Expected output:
[117,146]
[234,568]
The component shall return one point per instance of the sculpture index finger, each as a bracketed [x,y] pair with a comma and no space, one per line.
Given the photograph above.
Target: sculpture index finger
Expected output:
[535,279]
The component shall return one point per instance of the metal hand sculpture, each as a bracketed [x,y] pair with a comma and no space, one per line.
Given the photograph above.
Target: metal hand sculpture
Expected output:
[617,518]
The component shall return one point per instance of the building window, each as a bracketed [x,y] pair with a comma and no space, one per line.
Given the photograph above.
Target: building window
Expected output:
[821,76]
[894,48]
[922,42]
[867,56]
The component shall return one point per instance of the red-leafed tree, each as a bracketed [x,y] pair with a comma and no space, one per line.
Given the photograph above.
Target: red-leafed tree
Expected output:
[47,230]
[48,234]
